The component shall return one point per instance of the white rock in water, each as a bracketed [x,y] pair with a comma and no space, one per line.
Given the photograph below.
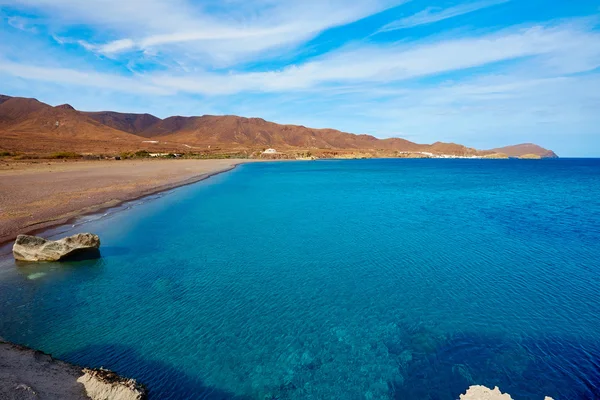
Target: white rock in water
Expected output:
[34,248]
[101,384]
[478,392]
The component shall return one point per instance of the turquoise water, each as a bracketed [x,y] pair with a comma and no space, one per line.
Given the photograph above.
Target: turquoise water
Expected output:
[367,279]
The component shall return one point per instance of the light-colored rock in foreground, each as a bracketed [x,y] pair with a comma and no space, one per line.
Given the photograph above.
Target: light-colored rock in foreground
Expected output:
[29,374]
[478,392]
[101,384]
[34,248]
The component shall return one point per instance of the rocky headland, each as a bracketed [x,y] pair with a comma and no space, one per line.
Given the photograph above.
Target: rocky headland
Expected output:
[29,374]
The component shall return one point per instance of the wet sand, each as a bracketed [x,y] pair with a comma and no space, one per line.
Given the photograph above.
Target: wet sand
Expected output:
[35,196]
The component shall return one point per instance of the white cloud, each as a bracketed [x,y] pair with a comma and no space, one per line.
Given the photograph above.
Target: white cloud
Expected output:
[495,110]
[80,78]
[21,23]
[124,15]
[433,14]
[220,32]
[554,47]
[551,51]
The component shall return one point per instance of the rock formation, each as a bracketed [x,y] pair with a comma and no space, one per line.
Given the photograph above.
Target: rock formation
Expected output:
[29,374]
[33,248]
[101,384]
[477,392]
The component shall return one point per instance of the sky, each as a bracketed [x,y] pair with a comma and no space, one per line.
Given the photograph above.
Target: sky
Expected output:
[484,73]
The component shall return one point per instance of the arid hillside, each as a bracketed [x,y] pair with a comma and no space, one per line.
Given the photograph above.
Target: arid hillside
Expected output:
[30,126]
[520,150]
[131,123]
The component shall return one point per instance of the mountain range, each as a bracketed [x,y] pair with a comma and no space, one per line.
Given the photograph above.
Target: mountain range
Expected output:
[30,126]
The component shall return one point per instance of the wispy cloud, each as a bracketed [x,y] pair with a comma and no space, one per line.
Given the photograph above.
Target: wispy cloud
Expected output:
[231,31]
[435,14]
[398,62]
[553,50]
[80,78]
[23,24]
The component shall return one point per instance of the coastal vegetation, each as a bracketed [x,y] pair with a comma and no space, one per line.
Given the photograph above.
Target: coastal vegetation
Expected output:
[218,154]
[215,155]
[127,155]
[497,156]
[62,155]
[530,157]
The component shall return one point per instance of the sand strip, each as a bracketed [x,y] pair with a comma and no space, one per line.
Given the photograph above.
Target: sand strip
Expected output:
[35,196]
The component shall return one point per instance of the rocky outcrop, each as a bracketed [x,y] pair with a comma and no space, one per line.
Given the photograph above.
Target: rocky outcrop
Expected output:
[101,384]
[478,392]
[34,248]
[29,374]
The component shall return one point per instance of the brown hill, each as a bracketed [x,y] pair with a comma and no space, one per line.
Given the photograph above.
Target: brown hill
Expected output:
[131,123]
[29,125]
[240,132]
[3,98]
[14,110]
[520,150]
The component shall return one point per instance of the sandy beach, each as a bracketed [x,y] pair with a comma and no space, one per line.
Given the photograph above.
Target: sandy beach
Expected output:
[35,196]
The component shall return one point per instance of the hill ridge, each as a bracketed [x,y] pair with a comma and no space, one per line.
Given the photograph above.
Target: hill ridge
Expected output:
[24,119]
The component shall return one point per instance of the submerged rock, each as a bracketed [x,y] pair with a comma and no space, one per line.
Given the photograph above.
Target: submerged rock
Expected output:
[477,392]
[34,248]
[101,384]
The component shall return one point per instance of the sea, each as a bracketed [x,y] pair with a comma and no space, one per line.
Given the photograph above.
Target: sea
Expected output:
[335,279]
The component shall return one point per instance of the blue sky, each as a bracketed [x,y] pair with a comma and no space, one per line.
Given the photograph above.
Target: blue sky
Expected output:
[484,73]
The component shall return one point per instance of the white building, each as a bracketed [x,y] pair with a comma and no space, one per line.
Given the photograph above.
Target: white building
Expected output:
[270,151]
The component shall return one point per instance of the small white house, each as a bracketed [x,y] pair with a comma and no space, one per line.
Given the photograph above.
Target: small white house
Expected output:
[270,151]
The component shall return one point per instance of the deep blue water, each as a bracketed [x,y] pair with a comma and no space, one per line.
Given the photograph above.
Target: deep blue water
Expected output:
[367,279]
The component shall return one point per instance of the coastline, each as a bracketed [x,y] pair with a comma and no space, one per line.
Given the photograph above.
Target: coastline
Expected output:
[99,197]
[26,373]
[24,213]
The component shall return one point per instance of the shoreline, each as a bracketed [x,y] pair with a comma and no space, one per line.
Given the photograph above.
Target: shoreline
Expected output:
[55,220]
[26,373]
[99,204]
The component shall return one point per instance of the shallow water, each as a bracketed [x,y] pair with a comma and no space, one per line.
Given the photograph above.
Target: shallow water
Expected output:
[367,279]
